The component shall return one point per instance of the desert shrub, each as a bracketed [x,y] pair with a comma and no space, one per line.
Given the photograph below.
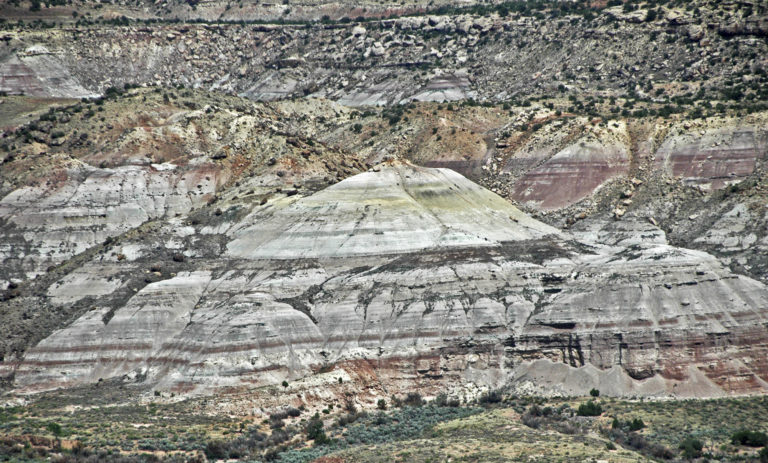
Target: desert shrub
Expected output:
[454,402]
[413,399]
[636,441]
[532,421]
[350,418]
[590,408]
[559,419]
[660,451]
[691,447]
[442,400]
[403,424]
[490,397]
[534,410]
[216,450]
[381,404]
[749,438]
[594,392]
[636,424]
[315,430]
[569,427]
[276,423]
[283,414]
[398,425]
[349,406]
[277,437]
[55,429]
[250,444]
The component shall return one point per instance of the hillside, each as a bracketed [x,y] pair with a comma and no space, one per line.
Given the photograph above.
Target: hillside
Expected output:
[412,231]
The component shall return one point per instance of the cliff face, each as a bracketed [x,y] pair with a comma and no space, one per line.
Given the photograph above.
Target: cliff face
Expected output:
[407,276]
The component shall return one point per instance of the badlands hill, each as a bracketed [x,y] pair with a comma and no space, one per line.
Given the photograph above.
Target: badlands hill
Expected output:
[229,230]
[400,276]
[187,241]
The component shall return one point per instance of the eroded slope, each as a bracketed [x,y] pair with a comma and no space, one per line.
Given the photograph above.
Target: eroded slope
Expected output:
[491,298]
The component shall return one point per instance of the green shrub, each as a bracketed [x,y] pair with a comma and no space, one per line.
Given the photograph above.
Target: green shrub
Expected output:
[749,438]
[636,424]
[594,392]
[216,450]
[691,447]
[55,429]
[315,430]
[590,409]
[413,399]
[490,397]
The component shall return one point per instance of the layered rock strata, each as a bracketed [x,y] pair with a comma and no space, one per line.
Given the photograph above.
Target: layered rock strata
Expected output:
[419,276]
[571,175]
[49,222]
[713,159]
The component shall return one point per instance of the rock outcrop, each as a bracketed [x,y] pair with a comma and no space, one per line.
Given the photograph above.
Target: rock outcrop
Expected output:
[416,276]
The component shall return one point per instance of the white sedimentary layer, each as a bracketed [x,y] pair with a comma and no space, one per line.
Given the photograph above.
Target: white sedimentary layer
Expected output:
[399,209]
